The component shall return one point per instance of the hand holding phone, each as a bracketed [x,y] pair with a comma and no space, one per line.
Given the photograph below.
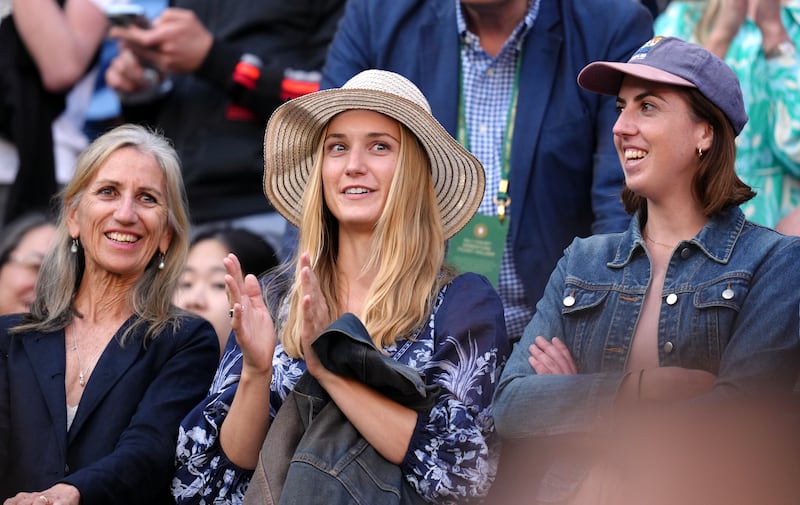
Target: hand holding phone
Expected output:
[125,15]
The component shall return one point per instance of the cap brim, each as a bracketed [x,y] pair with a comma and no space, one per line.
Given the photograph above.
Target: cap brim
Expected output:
[606,77]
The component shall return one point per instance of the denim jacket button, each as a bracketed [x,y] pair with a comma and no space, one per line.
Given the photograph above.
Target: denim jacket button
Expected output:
[569,301]
[728,294]
[672,298]
[686,252]
[668,347]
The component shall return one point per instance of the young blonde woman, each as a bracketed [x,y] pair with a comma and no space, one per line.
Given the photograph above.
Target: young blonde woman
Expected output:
[376,186]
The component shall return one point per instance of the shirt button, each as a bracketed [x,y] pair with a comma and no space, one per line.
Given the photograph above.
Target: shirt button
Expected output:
[728,294]
[672,298]
[668,347]
[66,469]
[569,301]
[490,72]
[686,252]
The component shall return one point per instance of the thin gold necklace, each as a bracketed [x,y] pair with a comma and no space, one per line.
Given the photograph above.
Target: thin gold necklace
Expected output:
[647,238]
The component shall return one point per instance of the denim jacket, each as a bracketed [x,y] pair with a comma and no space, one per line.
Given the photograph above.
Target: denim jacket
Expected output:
[730,305]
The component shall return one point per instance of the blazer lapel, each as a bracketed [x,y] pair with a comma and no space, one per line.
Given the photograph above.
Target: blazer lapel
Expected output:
[47,355]
[537,77]
[111,366]
[438,65]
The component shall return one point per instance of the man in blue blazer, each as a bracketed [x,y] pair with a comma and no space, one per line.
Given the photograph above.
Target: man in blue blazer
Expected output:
[564,176]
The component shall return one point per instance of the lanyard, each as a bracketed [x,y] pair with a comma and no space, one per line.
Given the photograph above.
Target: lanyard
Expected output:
[501,199]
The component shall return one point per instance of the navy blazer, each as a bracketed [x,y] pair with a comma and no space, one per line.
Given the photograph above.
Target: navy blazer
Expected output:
[121,447]
[565,174]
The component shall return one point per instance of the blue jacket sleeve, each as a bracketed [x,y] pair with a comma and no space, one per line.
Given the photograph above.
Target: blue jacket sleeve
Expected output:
[527,404]
[347,54]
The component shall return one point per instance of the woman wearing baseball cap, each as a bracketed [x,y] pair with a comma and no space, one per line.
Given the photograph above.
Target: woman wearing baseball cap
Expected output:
[687,303]
[376,186]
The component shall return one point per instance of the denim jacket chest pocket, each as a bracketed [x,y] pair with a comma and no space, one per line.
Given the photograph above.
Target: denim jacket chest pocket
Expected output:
[695,322]
[588,319]
[702,335]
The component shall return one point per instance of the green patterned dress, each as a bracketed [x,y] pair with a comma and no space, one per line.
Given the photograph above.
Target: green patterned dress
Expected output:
[768,149]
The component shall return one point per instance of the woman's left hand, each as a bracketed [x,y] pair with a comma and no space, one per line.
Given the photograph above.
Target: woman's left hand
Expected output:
[60,494]
[315,316]
[551,357]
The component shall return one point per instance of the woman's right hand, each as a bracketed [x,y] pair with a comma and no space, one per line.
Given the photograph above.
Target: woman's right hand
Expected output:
[251,321]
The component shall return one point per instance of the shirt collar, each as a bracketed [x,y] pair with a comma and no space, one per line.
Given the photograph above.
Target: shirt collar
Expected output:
[517,35]
[716,239]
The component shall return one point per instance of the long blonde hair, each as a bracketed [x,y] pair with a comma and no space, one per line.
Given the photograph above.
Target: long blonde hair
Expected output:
[407,251]
[61,271]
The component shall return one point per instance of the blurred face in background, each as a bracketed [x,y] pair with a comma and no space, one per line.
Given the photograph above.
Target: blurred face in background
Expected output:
[202,286]
[18,275]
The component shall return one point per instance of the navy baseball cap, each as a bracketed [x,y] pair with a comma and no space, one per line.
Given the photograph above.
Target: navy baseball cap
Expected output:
[670,60]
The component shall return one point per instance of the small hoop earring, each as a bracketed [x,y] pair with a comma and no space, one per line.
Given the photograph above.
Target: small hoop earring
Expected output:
[74,247]
[699,152]
[161,263]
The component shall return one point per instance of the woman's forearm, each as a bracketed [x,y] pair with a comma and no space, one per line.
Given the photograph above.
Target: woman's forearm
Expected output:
[62,41]
[247,422]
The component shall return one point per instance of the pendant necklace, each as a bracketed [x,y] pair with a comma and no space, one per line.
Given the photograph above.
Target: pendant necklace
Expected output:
[81,371]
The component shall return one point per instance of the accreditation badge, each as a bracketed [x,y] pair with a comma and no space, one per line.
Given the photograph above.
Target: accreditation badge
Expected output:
[479,247]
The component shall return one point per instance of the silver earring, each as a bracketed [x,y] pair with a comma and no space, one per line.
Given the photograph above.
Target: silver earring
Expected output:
[699,152]
[161,263]
[74,247]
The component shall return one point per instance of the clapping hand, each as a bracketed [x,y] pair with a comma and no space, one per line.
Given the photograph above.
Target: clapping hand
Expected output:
[315,316]
[251,321]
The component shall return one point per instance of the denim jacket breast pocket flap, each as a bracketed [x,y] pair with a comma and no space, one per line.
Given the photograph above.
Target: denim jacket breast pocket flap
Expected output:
[579,298]
[729,291]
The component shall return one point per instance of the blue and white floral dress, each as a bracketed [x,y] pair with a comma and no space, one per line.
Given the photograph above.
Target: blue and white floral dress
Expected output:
[454,450]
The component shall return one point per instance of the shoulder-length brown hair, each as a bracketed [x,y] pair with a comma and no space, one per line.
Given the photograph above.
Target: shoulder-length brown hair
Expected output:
[716,185]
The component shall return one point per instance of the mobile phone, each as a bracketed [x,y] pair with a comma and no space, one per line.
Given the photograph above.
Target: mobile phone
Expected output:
[126,15]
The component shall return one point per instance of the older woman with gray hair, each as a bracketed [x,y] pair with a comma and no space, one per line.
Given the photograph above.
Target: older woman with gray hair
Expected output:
[96,377]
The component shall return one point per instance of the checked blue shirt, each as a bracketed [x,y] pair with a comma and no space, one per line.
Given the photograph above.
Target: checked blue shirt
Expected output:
[488,84]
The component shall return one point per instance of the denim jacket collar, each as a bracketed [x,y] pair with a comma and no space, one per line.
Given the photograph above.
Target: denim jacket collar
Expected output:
[716,239]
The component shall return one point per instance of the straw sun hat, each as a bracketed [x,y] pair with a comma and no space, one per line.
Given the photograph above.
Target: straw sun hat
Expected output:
[294,132]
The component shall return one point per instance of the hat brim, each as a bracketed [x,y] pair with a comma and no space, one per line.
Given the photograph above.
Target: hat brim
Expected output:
[606,77]
[293,135]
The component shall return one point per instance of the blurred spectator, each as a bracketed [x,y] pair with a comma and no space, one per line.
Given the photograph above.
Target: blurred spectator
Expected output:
[757,39]
[202,289]
[23,245]
[46,46]
[209,74]
[500,77]
[104,111]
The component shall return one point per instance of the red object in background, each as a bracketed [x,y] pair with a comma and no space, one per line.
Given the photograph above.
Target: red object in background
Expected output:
[245,76]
